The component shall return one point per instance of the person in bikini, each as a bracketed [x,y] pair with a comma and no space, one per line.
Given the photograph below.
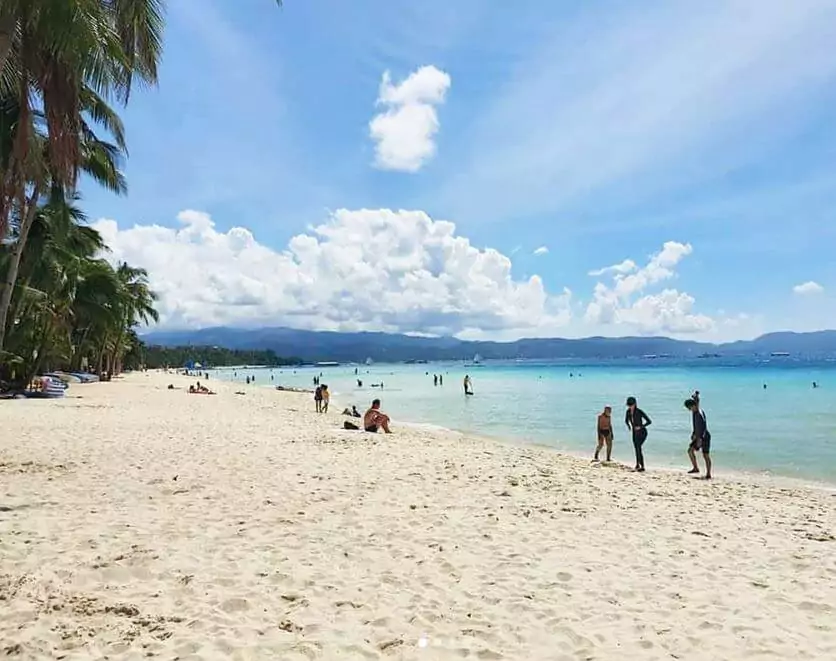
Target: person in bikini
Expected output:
[605,433]
[375,420]
[700,437]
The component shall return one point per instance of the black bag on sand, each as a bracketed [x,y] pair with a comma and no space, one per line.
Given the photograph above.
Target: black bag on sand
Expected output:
[350,425]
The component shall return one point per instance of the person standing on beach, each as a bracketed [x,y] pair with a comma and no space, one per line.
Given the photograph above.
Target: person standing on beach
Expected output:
[468,385]
[318,399]
[326,398]
[700,438]
[605,433]
[638,422]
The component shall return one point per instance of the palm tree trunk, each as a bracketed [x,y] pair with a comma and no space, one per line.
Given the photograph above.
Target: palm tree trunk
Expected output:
[35,366]
[102,352]
[14,265]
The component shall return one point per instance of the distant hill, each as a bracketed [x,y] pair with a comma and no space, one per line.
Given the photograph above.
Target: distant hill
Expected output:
[386,347]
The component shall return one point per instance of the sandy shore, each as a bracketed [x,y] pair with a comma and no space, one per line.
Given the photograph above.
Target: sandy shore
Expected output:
[139,522]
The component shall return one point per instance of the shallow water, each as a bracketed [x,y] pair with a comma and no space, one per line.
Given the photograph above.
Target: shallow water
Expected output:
[787,428]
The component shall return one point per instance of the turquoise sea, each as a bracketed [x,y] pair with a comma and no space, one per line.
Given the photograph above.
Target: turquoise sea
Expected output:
[786,429]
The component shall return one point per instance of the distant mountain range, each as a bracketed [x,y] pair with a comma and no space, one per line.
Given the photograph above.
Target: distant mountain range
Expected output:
[385,347]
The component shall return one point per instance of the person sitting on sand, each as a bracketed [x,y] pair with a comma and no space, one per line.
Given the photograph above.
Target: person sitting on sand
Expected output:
[375,420]
[605,433]
[352,412]
[700,438]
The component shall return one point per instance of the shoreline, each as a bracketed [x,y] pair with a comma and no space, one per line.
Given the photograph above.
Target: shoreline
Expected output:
[141,522]
[742,476]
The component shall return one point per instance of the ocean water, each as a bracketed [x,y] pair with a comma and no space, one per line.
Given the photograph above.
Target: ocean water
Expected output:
[786,429]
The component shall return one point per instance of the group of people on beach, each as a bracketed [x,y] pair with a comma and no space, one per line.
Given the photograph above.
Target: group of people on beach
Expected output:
[374,420]
[637,421]
[322,397]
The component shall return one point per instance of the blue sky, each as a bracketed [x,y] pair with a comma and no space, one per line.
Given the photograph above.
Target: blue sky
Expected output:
[602,131]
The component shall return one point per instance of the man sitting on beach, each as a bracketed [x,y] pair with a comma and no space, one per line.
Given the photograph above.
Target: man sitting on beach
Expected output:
[375,420]
[700,438]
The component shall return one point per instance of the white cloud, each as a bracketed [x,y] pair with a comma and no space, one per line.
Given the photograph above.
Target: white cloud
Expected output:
[625,302]
[360,270]
[627,266]
[404,134]
[542,250]
[808,288]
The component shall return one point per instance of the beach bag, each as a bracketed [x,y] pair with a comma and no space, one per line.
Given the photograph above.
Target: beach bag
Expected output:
[350,425]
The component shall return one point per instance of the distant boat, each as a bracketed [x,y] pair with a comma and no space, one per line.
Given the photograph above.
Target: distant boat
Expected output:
[779,354]
[477,359]
[649,356]
[369,360]
[709,355]
[328,363]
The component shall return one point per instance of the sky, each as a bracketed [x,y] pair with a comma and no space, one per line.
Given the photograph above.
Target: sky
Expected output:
[487,170]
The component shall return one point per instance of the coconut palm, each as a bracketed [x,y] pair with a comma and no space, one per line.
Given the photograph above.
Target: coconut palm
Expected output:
[62,280]
[53,51]
[98,158]
[134,305]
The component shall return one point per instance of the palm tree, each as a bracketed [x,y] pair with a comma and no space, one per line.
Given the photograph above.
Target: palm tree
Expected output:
[134,305]
[62,282]
[52,51]
[100,159]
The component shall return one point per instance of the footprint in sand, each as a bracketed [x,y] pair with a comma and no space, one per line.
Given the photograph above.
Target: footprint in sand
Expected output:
[234,605]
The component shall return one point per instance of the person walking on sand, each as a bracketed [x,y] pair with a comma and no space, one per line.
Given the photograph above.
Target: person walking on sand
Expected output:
[605,433]
[638,422]
[318,399]
[326,398]
[700,438]
[468,385]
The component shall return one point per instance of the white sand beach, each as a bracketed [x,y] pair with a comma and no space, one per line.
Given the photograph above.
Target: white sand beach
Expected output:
[140,522]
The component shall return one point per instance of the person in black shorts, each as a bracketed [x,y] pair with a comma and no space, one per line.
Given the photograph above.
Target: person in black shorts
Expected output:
[375,419]
[605,435]
[700,438]
[638,422]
